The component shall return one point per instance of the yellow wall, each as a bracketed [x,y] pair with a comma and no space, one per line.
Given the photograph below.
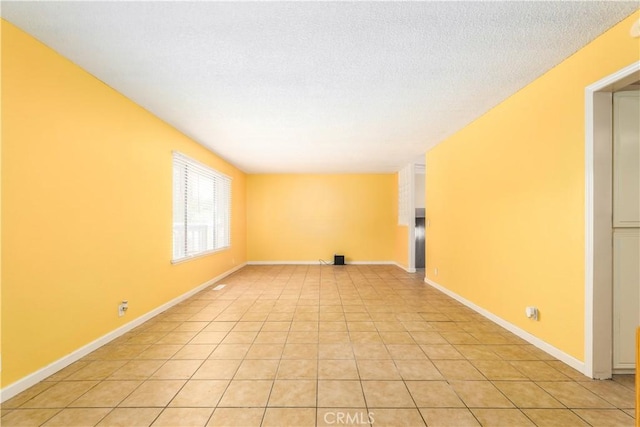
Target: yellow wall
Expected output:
[505,198]
[86,208]
[309,217]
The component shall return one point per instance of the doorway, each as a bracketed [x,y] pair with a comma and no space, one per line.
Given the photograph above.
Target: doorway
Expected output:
[420,241]
[419,221]
[599,257]
[626,227]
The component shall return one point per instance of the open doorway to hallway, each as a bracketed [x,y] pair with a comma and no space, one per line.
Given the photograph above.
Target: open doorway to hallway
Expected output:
[420,221]
[608,241]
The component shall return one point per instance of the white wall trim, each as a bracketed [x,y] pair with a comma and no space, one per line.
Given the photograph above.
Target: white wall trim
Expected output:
[374,263]
[317,262]
[542,345]
[397,264]
[407,269]
[411,262]
[43,373]
[329,261]
[597,352]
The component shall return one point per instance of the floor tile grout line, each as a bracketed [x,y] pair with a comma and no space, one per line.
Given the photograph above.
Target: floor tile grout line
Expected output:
[365,301]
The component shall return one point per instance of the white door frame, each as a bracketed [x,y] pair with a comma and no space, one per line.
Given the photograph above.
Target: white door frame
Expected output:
[408,204]
[412,220]
[598,331]
[420,169]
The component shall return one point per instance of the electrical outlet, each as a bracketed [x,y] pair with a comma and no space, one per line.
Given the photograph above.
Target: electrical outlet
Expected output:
[435,271]
[123,307]
[531,312]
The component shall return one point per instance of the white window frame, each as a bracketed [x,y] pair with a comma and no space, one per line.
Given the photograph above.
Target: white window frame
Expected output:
[201,209]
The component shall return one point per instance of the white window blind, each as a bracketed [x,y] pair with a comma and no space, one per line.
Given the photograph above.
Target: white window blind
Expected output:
[201,208]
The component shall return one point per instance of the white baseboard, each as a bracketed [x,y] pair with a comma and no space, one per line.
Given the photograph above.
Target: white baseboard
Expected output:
[41,374]
[318,262]
[542,345]
[407,269]
[630,371]
[329,263]
[383,263]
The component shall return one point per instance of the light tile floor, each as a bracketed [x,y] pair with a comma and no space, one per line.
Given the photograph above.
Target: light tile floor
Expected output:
[311,345]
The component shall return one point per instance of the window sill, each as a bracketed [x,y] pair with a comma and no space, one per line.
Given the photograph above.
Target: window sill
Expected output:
[199,255]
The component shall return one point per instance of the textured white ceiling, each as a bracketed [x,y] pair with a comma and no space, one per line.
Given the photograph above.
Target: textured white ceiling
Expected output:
[317,86]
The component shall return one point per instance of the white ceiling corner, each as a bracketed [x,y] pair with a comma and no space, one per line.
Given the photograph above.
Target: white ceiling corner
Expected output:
[317,86]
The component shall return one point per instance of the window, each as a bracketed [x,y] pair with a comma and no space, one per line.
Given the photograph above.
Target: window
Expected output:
[201,208]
